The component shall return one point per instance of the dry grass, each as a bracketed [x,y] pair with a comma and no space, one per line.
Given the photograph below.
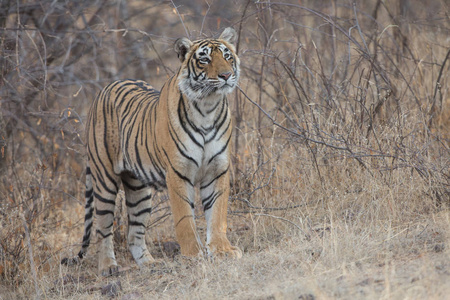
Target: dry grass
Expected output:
[341,185]
[340,260]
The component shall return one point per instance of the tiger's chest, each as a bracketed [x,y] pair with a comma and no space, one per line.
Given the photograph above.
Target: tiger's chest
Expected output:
[208,138]
[193,143]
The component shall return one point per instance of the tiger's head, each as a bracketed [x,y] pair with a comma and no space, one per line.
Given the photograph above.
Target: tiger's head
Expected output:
[209,66]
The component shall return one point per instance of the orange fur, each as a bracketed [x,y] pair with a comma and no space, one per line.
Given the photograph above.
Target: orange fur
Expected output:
[176,139]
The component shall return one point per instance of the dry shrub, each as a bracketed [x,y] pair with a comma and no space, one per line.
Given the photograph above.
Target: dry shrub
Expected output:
[341,145]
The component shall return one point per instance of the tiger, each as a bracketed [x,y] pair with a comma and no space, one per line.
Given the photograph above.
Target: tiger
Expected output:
[175,139]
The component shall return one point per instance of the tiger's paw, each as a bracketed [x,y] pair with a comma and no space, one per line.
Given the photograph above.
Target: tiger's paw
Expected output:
[110,271]
[221,247]
[71,261]
[191,249]
[108,267]
[141,255]
[145,260]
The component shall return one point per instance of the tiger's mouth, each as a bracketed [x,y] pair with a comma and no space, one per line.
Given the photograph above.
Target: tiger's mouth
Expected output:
[228,85]
[199,88]
[215,85]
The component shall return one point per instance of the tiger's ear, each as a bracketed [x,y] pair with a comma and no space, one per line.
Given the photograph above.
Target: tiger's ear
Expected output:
[229,35]
[182,46]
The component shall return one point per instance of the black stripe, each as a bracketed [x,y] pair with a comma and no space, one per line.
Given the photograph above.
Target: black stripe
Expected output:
[89,202]
[195,76]
[208,198]
[81,254]
[88,216]
[221,150]
[198,108]
[222,109]
[158,171]
[139,161]
[187,116]
[226,129]
[132,111]
[181,151]
[208,205]
[207,129]
[176,135]
[102,168]
[129,103]
[183,125]
[104,235]
[87,236]
[177,172]
[104,212]
[88,193]
[123,87]
[130,175]
[107,90]
[129,204]
[105,133]
[198,64]
[191,204]
[215,106]
[218,126]
[144,133]
[217,177]
[101,179]
[135,223]
[104,200]
[144,211]
[188,74]
[132,187]
[156,164]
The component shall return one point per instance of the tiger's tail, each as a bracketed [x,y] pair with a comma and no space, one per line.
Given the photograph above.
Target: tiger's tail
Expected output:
[88,221]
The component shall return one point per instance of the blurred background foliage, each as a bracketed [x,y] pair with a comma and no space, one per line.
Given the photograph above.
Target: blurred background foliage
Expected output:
[327,87]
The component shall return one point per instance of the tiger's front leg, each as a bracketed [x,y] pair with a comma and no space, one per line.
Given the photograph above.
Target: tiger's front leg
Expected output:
[181,195]
[214,193]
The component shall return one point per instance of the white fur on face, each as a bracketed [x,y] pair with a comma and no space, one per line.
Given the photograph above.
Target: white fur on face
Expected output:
[198,86]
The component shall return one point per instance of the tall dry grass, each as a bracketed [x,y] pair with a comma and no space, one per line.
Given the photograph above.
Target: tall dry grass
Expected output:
[340,150]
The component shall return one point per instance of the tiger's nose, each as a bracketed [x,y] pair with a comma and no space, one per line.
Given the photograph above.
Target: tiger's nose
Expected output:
[225,76]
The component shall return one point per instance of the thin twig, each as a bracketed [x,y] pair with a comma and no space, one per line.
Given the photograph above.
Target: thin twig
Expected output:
[438,85]
[249,204]
[30,253]
[359,28]
[285,220]
[287,129]
[126,30]
[204,17]
[181,19]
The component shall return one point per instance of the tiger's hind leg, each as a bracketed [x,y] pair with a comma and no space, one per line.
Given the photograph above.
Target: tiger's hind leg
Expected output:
[105,192]
[138,201]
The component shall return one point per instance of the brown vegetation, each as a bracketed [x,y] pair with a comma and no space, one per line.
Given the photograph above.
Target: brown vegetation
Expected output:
[341,185]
